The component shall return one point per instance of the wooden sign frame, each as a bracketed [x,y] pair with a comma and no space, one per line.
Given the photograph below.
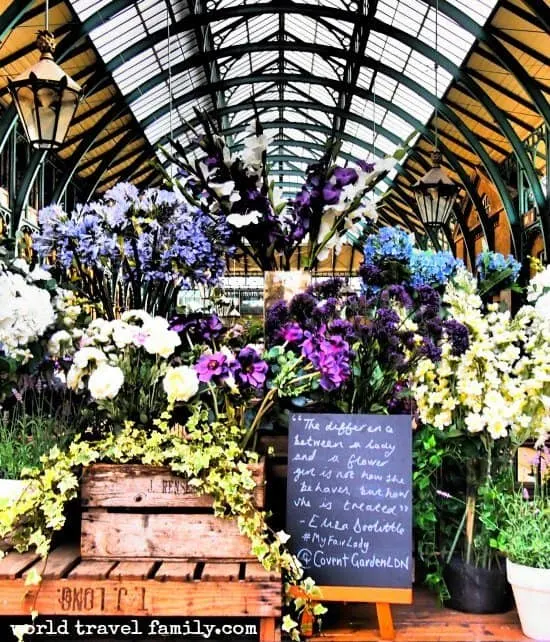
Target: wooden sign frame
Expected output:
[383,597]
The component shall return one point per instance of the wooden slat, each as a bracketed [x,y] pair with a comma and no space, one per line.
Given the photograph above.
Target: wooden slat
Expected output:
[14,563]
[161,536]
[255,572]
[423,621]
[141,597]
[92,569]
[366,594]
[269,631]
[183,571]
[132,571]
[140,486]
[220,572]
[58,562]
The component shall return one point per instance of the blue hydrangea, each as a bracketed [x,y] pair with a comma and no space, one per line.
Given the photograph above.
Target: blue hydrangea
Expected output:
[432,268]
[489,264]
[389,244]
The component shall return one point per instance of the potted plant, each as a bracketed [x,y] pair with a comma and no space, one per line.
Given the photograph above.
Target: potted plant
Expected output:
[524,524]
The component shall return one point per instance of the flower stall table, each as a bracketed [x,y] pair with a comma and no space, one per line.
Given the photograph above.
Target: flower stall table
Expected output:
[74,587]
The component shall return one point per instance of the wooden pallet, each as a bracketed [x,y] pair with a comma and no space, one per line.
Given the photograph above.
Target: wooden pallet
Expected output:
[72,586]
[140,512]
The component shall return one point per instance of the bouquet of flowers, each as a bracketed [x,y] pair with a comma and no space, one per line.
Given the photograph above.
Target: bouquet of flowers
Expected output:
[132,250]
[236,190]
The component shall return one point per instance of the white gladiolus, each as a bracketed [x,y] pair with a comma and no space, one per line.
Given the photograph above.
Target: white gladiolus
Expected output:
[223,189]
[242,220]
[105,382]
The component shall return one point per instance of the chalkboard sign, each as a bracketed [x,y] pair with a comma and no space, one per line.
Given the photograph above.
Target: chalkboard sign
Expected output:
[349,504]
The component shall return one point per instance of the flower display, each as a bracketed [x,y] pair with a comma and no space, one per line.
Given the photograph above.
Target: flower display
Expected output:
[329,211]
[432,268]
[134,249]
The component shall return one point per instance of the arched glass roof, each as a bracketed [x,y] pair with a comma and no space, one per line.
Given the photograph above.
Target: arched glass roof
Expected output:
[362,71]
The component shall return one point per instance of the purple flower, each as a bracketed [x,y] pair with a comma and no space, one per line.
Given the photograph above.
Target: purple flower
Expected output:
[302,199]
[330,355]
[211,366]
[301,306]
[430,350]
[291,332]
[331,193]
[277,315]
[344,176]
[249,369]
[341,327]
[458,336]
[366,166]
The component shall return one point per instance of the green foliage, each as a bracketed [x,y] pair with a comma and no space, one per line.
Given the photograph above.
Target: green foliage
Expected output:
[27,435]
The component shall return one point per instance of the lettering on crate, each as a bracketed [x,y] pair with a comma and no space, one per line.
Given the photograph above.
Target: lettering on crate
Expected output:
[349,498]
[175,487]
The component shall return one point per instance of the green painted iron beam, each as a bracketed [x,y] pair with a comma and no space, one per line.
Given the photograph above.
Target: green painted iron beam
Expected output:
[107,161]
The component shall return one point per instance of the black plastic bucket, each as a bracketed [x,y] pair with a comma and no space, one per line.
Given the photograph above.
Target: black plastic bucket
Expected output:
[477,590]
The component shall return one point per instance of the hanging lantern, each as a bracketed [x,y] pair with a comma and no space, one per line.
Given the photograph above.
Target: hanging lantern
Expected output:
[435,194]
[45,97]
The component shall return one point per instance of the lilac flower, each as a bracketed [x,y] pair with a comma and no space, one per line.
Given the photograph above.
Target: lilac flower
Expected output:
[249,369]
[212,366]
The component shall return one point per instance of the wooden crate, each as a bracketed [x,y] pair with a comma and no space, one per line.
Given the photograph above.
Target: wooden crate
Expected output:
[72,586]
[143,512]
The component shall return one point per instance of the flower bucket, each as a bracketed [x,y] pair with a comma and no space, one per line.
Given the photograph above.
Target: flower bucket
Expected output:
[531,588]
[476,590]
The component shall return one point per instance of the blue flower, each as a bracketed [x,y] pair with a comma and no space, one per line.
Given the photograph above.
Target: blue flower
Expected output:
[389,244]
[432,268]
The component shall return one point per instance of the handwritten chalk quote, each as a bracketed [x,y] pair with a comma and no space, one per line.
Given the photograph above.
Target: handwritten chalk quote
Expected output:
[349,503]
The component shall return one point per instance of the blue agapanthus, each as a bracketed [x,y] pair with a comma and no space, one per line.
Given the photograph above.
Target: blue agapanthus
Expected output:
[150,244]
[389,244]
[432,268]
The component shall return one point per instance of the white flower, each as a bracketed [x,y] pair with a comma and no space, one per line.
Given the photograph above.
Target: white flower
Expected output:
[242,220]
[282,536]
[83,357]
[181,383]
[60,343]
[386,164]
[223,189]
[159,339]
[105,382]
[39,274]
[26,312]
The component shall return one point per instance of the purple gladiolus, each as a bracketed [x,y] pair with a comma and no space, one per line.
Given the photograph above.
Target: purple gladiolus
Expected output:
[211,366]
[331,193]
[344,176]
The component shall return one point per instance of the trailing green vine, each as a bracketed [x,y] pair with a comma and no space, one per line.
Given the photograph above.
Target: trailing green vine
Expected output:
[207,454]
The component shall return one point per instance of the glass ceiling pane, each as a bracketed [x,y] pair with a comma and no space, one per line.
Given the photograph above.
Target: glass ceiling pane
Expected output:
[137,21]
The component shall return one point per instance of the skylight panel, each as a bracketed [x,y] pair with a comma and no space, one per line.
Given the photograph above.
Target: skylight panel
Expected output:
[312,63]
[307,29]
[85,8]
